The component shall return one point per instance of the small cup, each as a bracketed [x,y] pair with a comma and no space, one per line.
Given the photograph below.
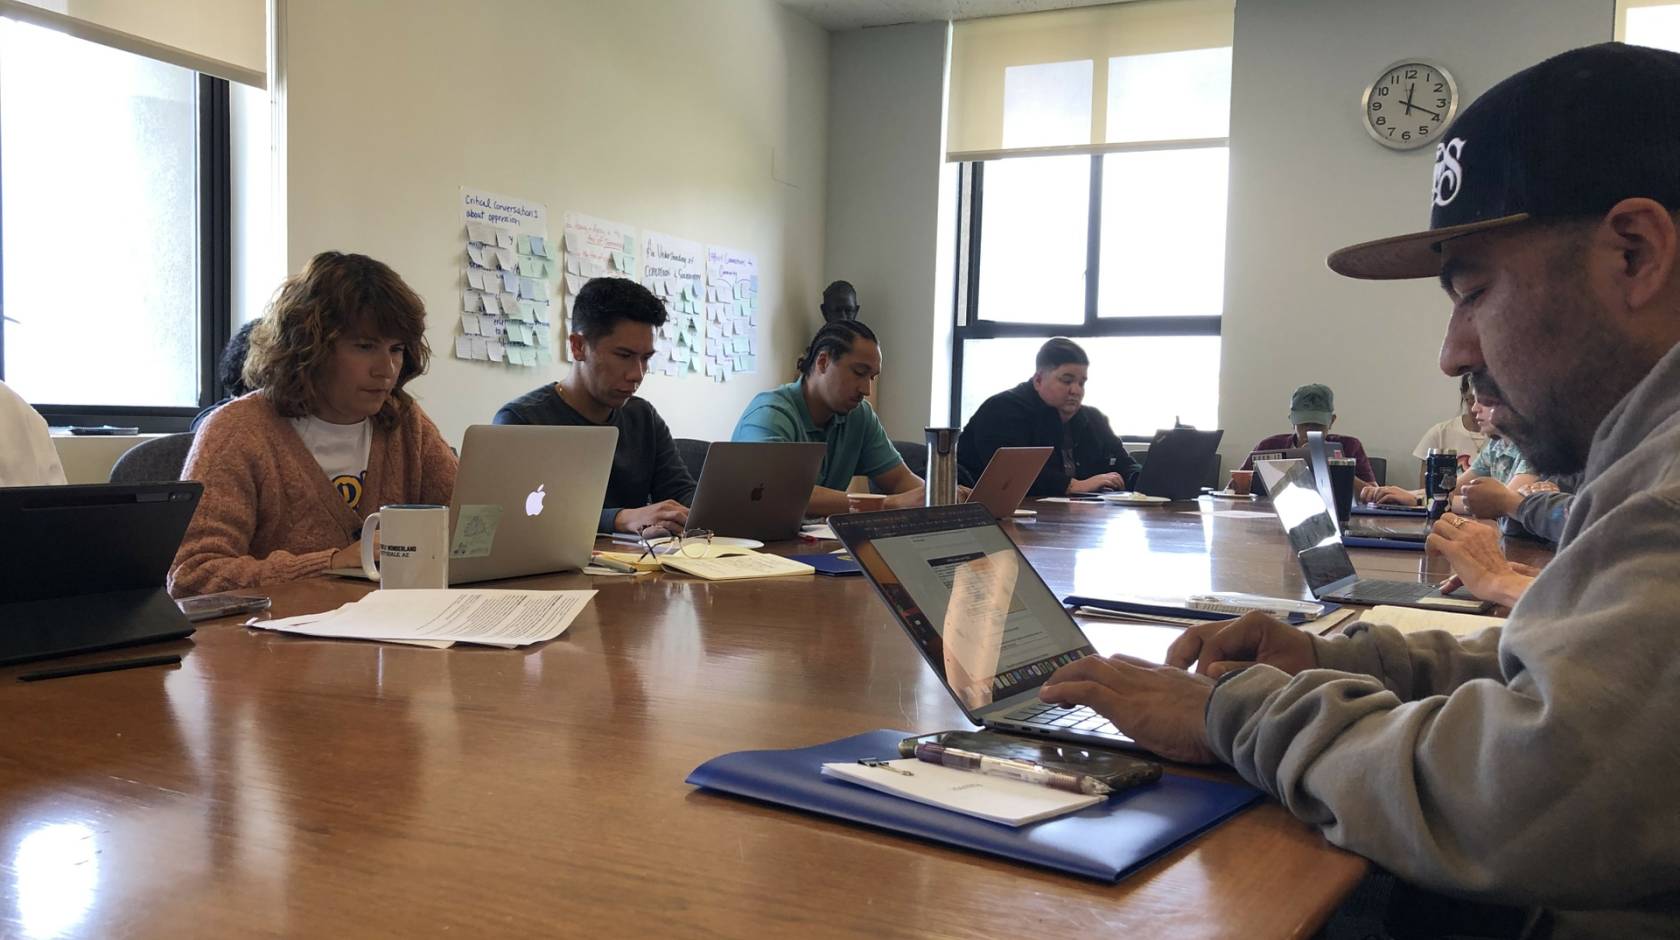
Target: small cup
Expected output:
[865,502]
[1242,482]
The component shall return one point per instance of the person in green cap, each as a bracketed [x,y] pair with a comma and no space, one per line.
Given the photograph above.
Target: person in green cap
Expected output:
[1313,408]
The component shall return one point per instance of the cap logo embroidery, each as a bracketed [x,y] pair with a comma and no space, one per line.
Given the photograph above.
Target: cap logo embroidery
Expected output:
[1449,176]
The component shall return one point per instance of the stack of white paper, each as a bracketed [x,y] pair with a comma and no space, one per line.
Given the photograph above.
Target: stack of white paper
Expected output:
[444,617]
[1010,802]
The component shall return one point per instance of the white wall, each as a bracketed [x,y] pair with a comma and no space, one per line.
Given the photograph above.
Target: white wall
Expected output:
[885,150]
[702,120]
[1307,179]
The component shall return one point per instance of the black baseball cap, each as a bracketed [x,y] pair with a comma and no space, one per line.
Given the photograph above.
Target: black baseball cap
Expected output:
[1569,137]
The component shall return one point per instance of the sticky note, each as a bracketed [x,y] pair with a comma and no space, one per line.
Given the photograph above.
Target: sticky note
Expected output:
[630,244]
[475,531]
[463,347]
[539,246]
[504,239]
[571,304]
[496,350]
[504,256]
[544,338]
[530,289]
[475,254]
[573,266]
[574,243]
[574,283]
[469,324]
[479,349]
[491,306]
[539,311]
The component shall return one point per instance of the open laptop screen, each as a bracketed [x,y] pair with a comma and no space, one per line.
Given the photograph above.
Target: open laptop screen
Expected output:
[1307,520]
[980,614]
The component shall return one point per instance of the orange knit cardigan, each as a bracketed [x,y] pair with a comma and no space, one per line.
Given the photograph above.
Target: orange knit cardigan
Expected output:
[270,514]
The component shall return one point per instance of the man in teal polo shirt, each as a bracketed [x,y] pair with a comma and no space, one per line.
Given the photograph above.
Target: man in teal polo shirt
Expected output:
[826,404]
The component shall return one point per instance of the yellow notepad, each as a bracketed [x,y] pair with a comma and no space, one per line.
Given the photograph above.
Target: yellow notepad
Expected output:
[736,567]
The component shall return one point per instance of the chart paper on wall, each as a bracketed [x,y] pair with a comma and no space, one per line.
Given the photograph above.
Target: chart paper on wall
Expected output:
[674,269]
[731,311]
[506,301]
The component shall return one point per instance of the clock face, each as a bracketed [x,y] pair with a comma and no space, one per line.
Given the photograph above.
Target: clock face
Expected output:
[1409,104]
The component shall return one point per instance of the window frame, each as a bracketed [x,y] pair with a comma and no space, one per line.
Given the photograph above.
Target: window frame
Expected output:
[967,322]
[214,171]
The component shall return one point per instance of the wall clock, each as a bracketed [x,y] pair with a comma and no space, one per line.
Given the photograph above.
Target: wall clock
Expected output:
[1410,104]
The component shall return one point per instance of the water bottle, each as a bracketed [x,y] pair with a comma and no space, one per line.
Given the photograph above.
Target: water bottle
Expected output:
[942,466]
[1440,478]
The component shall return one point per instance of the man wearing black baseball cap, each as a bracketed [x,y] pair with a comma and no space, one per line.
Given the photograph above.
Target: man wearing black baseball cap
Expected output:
[1533,765]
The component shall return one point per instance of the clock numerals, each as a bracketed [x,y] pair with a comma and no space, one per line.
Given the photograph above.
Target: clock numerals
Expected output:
[1409,104]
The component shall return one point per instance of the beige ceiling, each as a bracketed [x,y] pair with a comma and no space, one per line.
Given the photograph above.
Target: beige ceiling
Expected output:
[855,14]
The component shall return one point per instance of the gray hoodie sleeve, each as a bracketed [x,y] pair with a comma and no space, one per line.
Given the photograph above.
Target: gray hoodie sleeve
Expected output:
[1550,780]
[1544,514]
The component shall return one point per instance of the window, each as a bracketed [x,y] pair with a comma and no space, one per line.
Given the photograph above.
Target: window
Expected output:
[1119,244]
[116,238]
[1648,23]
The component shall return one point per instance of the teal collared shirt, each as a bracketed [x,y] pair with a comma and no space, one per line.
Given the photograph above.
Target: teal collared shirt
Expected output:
[857,444]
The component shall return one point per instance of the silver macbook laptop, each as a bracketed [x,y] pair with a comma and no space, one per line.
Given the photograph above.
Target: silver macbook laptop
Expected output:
[756,490]
[986,623]
[1324,560]
[531,498]
[1007,478]
[543,485]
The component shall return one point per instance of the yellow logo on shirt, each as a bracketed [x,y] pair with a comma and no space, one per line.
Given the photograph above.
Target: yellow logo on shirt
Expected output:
[349,487]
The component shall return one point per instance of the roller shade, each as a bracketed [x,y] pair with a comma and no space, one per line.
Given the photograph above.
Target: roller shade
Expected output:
[1087,79]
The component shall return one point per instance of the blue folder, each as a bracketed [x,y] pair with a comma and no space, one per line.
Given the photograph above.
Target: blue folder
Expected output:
[835,566]
[1106,841]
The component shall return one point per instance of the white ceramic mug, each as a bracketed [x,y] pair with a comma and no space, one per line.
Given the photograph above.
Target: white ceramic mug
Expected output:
[413,545]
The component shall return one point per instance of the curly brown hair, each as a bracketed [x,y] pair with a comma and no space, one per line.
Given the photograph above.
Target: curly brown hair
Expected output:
[335,295]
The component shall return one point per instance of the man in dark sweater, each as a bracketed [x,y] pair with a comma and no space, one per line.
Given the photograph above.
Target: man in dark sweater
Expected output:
[1048,410]
[611,343]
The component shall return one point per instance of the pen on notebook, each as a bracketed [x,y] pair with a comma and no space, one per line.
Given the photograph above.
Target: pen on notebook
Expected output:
[110,666]
[612,564]
[1024,771]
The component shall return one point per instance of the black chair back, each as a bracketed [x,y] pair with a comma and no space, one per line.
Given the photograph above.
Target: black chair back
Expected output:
[693,454]
[155,461]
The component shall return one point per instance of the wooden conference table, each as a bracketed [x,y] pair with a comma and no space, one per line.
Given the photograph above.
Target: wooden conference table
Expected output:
[288,786]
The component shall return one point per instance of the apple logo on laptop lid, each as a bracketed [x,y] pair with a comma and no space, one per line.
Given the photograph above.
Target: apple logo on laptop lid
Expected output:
[534,502]
[757,493]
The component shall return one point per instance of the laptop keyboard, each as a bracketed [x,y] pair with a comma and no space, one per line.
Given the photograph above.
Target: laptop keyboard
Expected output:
[1062,718]
[1367,591]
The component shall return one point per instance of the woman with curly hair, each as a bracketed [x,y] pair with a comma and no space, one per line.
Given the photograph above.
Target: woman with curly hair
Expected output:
[329,435]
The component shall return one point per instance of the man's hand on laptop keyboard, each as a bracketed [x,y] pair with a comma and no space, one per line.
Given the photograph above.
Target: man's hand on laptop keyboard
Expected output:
[1472,548]
[1161,708]
[1220,646]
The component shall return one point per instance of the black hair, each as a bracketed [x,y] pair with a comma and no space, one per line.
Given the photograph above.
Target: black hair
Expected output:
[1059,351]
[606,300]
[837,287]
[835,338]
[230,369]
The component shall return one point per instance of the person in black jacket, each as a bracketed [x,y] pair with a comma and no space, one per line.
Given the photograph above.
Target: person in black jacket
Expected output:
[1049,411]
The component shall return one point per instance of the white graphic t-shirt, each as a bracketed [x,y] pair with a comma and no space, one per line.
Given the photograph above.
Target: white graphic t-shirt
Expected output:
[342,452]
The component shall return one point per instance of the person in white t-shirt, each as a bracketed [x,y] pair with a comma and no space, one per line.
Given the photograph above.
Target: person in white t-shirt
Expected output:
[27,454]
[1463,432]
